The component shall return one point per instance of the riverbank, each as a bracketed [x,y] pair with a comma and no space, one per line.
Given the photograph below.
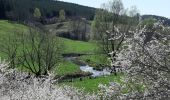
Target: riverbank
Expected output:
[86,77]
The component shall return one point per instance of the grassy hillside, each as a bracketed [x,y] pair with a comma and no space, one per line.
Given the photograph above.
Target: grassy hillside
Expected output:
[66,67]
[7,27]
[70,46]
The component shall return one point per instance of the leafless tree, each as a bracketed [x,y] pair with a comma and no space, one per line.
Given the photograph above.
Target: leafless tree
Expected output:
[9,48]
[36,51]
[79,27]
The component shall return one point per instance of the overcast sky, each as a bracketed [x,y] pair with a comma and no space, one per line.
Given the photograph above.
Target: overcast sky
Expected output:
[155,7]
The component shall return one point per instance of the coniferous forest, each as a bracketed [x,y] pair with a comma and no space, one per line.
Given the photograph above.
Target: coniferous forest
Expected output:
[23,9]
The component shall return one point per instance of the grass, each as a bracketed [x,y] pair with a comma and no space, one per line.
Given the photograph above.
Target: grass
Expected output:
[95,59]
[91,85]
[72,46]
[7,27]
[67,67]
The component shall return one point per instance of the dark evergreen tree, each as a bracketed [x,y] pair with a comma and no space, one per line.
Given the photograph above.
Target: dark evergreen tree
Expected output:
[24,9]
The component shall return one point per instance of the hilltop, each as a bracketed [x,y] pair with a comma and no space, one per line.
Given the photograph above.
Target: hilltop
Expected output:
[23,9]
[164,20]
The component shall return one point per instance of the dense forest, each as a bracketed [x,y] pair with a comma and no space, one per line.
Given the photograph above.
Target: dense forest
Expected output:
[23,9]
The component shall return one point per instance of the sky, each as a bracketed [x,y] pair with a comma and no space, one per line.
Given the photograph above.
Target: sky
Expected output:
[153,7]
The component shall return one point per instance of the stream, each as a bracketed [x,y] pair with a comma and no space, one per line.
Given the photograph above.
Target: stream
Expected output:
[95,73]
[87,68]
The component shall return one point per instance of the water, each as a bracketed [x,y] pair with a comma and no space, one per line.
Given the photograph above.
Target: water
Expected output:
[95,73]
[87,68]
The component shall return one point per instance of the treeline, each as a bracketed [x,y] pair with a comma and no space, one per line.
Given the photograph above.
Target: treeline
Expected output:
[24,9]
[165,21]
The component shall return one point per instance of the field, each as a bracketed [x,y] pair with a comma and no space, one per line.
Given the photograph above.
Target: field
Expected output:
[67,67]
[71,46]
[81,47]
[91,85]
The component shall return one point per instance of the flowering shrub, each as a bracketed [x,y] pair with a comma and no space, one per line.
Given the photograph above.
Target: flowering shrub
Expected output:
[111,92]
[146,60]
[148,66]
[15,85]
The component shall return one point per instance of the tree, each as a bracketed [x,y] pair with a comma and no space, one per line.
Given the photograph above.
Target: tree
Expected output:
[148,23]
[38,52]
[9,47]
[79,27]
[62,15]
[147,67]
[111,24]
[2,9]
[24,9]
[37,13]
